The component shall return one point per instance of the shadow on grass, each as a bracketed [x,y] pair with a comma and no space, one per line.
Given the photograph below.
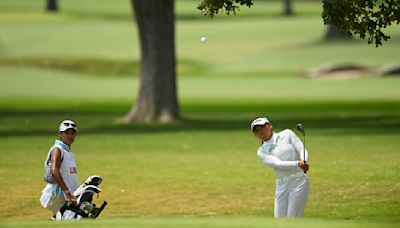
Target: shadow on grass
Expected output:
[182,16]
[97,123]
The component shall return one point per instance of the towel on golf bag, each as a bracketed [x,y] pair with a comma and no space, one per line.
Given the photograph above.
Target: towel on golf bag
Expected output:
[84,207]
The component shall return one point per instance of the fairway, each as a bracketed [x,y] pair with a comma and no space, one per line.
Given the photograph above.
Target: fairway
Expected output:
[202,171]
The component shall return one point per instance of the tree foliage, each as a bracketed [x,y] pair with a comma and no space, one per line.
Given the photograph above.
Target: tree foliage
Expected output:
[367,18]
[212,7]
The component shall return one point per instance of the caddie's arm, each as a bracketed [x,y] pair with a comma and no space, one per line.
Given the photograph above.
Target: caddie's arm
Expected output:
[55,169]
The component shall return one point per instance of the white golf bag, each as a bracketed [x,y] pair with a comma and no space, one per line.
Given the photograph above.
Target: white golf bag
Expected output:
[84,207]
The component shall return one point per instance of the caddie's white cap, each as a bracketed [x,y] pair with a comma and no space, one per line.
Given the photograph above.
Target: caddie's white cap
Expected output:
[67,124]
[257,122]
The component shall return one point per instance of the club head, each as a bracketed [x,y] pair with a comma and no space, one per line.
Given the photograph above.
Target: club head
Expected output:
[301,128]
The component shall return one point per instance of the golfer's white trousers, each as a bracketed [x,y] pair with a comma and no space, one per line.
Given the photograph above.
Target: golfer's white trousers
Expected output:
[291,197]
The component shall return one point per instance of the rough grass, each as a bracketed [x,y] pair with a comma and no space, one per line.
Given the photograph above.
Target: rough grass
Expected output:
[96,67]
[207,165]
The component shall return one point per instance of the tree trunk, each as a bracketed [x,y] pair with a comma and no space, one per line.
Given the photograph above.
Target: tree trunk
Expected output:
[288,8]
[157,98]
[52,6]
[333,33]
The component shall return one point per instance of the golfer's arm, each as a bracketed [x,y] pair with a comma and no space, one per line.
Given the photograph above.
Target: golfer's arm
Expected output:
[276,163]
[298,145]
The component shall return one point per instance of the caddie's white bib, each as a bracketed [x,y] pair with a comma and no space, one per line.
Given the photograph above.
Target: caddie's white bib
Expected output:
[68,168]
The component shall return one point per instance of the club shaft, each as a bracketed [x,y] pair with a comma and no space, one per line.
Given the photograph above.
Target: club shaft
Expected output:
[304,150]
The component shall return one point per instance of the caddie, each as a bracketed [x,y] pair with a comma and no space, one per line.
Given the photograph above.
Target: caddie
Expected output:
[61,172]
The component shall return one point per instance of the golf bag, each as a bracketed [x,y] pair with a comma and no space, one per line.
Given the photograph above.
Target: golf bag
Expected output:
[84,207]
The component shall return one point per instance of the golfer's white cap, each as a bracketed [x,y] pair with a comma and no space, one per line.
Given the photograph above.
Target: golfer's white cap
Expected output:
[257,122]
[67,124]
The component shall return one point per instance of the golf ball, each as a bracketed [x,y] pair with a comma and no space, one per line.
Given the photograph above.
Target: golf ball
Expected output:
[203,39]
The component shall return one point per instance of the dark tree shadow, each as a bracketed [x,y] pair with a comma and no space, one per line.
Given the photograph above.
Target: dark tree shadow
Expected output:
[45,123]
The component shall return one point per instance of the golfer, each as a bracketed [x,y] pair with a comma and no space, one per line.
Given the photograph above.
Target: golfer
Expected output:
[283,152]
[63,170]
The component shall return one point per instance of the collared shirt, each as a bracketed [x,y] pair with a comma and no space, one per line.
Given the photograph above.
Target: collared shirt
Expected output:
[282,152]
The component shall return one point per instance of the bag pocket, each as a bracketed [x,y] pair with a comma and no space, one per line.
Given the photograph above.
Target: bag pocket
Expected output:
[48,175]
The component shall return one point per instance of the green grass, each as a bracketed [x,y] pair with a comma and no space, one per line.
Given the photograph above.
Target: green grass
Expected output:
[207,166]
[201,171]
[260,45]
[28,82]
[96,67]
[185,9]
[207,222]
[269,49]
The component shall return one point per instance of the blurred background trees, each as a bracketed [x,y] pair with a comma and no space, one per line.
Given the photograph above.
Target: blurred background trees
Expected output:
[52,5]
[157,99]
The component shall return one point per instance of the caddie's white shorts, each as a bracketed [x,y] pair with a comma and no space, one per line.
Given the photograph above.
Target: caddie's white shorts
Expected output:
[52,199]
[291,196]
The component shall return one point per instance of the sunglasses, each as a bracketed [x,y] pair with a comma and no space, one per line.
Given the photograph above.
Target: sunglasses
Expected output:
[69,124]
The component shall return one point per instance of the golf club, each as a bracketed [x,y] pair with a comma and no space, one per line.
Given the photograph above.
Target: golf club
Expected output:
[300,127]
